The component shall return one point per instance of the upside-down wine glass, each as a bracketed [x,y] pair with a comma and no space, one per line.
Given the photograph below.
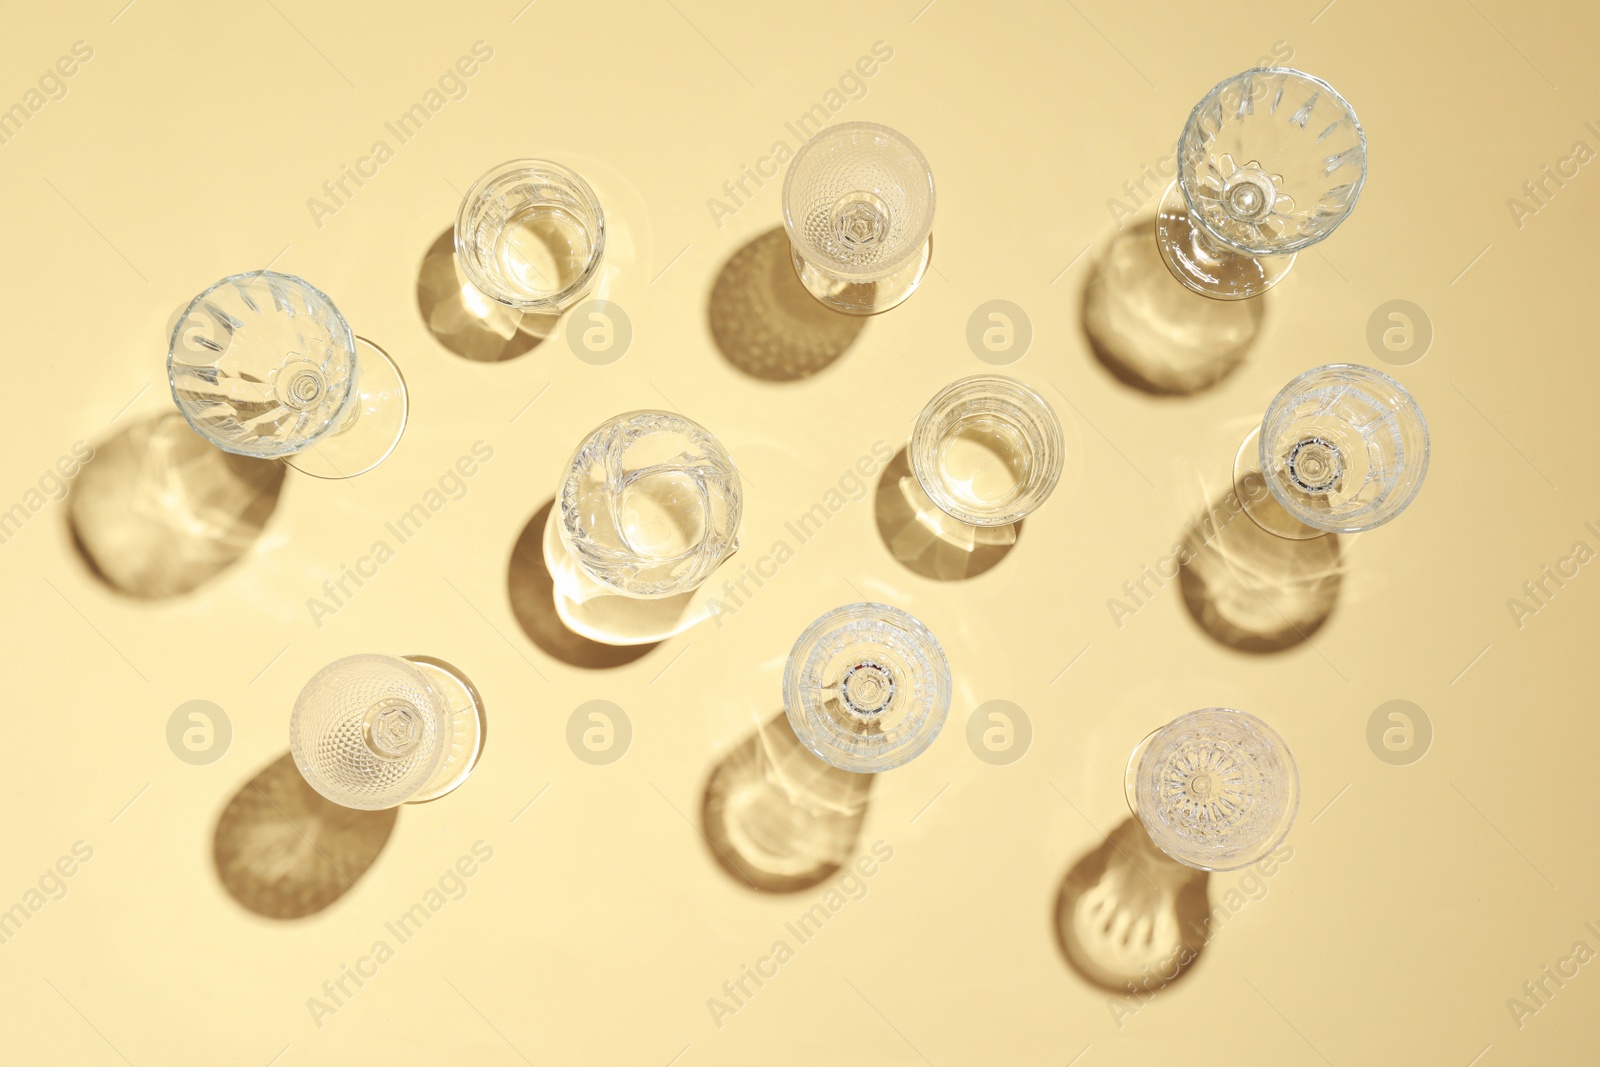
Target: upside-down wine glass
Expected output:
[866,687]
[373,732]
[1271,161]
[1343,448]
[1216,789]
[262,364]
[858,207]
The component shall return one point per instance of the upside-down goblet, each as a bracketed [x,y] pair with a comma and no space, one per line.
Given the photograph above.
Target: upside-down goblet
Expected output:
[987,450]
[1271,161]
[858,207]
[262,364]
[866,687]
[1343,448]
[1216,789]
[650,504]
[373,732]
[531,235]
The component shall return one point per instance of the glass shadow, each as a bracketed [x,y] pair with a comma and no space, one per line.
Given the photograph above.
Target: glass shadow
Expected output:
[927,541]
[532,590]
[283,851]
[1128,917]
[160,512]
[465,321]
[1252,590]
[776,817]
[1153,333]
[766,324]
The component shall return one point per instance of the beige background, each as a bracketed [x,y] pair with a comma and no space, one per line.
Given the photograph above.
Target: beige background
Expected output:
[1415,904]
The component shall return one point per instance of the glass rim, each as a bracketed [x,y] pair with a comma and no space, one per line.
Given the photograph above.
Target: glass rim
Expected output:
[486,285]
[819,139]
[1188,193]
[1317,522]
[352,390]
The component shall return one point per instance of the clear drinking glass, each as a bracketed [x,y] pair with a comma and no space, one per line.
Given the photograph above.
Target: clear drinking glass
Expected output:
[373,732]
[866,687]
[1343,448]
[531,235]
[858,207]
[1216,789]
[262,364]
[987,450]
[1270,162]
[650,504]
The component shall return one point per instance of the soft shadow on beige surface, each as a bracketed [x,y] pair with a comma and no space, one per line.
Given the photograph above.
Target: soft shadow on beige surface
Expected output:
[533,601]
[285,852]
[1153,333]
[1128,917]
[1252,590]
[160,512]
[924,539]
[465,321]
[776,817]
[764,321]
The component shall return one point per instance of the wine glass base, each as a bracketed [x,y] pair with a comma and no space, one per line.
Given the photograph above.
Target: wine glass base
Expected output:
[1263,508]
[371,428]
[468,722]
[1205,266]
[864,298]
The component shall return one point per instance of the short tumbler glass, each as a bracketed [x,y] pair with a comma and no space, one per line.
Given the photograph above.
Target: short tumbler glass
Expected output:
[987,450]
[531,235]
[650,504]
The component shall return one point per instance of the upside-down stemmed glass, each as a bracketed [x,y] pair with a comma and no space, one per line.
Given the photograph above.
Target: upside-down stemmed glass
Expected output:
[1343,448]
[866,687]
[1216,789]
[650,504]
[531,235]
[373,732]
[858,207]
[987,450]
[262,364]
[1271,161]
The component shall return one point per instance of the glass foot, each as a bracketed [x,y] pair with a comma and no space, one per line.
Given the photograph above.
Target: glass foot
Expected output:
[371,429]
[864,298]
[1259,503]
[470,727]
[1205,266]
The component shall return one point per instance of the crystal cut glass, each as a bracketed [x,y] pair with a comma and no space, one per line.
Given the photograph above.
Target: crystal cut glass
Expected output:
[1342,448]
[262,364]
[650,504]
[372,732]
[1216,789]
[987,450]
[866,687]
[1270,162]
[531,235]
[858,207]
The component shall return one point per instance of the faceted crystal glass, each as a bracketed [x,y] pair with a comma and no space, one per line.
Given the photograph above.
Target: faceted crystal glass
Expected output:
[531,234]
[858,207]
[866,687]
[1270,162]
[1216,789]
[650,504]
[987,450]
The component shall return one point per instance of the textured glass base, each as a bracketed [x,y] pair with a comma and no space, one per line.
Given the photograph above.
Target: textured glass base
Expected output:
[370,430]
[1262,507]
[1206,266]
[864,298]
[470,727]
